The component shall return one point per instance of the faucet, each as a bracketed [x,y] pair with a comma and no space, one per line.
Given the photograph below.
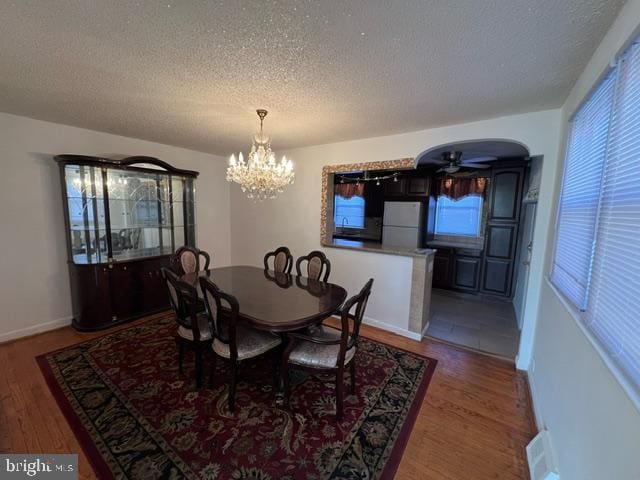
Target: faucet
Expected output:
[345,219]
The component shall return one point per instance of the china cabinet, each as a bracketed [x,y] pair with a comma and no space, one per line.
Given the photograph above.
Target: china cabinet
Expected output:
[124,219]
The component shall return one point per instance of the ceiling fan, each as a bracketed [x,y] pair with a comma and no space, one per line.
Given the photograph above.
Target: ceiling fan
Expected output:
[452,162]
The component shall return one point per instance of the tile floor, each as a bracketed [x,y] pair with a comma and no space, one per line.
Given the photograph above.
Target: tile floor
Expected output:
[474,322]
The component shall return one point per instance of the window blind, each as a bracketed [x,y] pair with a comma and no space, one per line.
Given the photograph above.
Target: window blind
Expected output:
[459,217]
[580,194]
[613,310]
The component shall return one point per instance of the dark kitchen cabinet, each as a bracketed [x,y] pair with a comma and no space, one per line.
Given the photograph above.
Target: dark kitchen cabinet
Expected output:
[442,268]
[497,276]
[501,240]
[501,231]
[408,185]
[506,192]
[396,188]
[124,219]
[373,200]
[417,186]
[467,273]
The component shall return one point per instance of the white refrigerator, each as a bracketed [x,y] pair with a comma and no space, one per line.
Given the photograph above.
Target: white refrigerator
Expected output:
[403,224]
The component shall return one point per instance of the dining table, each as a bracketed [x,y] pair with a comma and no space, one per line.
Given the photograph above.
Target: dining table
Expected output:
[273,301]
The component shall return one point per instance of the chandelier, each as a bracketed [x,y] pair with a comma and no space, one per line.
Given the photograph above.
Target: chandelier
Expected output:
[261,176]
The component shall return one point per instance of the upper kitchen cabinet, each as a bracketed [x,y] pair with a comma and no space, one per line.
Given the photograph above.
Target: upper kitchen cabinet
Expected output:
[409,185]
[417,185]
[395,187]
[506,193]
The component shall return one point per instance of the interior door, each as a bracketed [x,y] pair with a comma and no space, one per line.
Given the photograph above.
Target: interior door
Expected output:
[524,259]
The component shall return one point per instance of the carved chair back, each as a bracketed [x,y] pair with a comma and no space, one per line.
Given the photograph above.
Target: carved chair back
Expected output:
[222,309]
[318,266]
[184,302]
[189,259]
[351,317]
[282,260]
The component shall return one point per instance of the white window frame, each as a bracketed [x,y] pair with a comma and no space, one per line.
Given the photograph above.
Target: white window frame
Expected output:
[630,385]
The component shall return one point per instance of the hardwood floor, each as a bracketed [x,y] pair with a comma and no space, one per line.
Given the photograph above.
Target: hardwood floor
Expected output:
[474,423]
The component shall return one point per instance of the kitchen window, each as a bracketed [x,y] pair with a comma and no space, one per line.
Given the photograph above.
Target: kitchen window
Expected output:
[596,263]
[459,217]
[349,212]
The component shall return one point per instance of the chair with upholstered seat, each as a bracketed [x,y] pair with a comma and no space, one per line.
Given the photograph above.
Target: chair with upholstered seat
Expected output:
[194,329]
[188,258]
[327,349]
[282,260]
[231,341]
[318,266]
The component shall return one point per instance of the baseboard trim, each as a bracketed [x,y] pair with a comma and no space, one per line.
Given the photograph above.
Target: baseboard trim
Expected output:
[391,328]
[424,330]
[34,329]
[533,400]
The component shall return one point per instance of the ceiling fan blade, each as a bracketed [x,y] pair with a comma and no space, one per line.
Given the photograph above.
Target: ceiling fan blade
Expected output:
[440,170]
[436,161]
[463,174]
[484,158]
[475,165]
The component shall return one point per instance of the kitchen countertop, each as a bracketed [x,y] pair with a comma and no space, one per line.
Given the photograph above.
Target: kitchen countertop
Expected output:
[363,238]
[379,248]
[446,244]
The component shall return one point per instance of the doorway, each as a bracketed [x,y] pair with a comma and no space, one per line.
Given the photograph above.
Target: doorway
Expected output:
[481,263]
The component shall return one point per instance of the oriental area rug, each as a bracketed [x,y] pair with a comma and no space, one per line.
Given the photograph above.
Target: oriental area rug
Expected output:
[137,417]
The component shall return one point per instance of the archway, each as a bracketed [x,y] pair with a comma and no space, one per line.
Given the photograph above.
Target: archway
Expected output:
[480,277]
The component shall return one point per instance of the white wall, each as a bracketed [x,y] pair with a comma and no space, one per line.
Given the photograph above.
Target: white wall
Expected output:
[293,218]
[593,424]
[35,285]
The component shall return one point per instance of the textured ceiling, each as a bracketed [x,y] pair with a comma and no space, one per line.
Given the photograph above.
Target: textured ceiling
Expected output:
[192,73]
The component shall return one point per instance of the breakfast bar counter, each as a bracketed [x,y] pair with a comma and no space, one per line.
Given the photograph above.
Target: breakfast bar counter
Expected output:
[421,277]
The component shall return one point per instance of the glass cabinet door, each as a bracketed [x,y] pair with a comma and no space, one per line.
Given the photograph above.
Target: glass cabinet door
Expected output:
[177,196]
[190,212]
[127,214]
[85,203]
[139,211]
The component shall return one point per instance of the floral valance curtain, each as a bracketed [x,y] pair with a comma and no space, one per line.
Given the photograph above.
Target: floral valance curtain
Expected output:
[348,190]
[456,188]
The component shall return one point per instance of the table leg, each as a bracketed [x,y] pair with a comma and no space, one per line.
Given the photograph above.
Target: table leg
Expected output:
[279,359]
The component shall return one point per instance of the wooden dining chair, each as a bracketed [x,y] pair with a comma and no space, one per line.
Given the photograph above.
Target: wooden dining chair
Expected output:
[194,329]
[232,341]
[282,260]
[188,258]
[318,266]
[328,350]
